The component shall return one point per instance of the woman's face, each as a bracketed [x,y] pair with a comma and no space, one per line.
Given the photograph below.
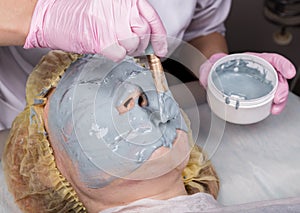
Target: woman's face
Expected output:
[109,119]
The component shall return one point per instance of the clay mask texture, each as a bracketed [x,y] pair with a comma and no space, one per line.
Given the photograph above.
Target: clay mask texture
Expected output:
[241,79]
[85,121]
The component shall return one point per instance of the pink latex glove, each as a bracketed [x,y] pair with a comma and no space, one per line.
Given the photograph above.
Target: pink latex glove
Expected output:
[108,27]
[285,70]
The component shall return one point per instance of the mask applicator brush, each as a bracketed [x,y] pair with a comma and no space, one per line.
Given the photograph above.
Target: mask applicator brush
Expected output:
[159,80]
[157,71]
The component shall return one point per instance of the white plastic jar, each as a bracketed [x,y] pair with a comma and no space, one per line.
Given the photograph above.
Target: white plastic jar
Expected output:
[241,88]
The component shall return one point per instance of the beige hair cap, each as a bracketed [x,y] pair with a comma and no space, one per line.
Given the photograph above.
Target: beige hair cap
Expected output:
[28,160]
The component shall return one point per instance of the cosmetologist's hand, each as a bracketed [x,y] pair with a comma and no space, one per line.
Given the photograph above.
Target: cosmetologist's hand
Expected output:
[285,70]
[111,28]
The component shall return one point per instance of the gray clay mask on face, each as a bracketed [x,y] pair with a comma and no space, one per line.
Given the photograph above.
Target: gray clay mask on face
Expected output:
[109,118]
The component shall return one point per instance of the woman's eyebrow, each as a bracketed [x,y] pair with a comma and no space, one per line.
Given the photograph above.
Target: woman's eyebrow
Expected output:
[127,102]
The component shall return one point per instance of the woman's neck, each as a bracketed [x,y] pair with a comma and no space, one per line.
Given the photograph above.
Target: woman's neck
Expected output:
[122,192]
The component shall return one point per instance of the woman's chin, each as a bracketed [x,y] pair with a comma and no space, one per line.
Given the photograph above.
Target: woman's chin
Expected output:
[164,159]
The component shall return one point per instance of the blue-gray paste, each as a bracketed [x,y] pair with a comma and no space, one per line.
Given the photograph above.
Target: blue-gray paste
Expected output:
[237,79]
[85,122]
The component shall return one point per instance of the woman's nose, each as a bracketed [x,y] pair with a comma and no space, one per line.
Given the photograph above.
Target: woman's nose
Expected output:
[146,106]
[162,106]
